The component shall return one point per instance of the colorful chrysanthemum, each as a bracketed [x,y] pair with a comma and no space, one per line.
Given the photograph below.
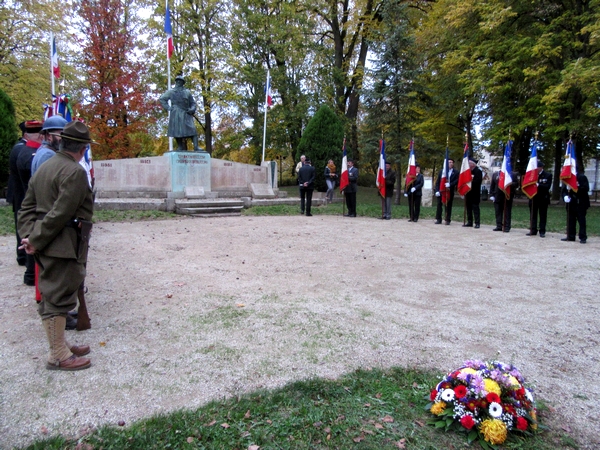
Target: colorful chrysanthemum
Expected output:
[494,431]
[492,386]
[437,408]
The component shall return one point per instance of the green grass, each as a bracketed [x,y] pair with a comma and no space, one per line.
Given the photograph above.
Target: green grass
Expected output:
[367,409]
[369,205]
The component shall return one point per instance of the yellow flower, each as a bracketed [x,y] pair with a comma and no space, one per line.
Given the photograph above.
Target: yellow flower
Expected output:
[493,430]
[533,415]
[492,386]
[438,408]
[514,382]
[468,370]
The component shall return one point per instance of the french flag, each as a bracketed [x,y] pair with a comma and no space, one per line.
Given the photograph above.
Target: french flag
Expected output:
[380,181]
[465,177]
[505,177]
[530,179]
[444,191]
[269,99]
[344,176]
[169,32]
[55,67]
[568,173]
[411,173]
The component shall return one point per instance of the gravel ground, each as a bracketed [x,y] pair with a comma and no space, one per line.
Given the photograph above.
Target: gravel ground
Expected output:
[189,310]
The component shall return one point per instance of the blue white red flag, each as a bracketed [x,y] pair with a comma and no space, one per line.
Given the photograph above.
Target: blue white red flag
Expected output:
[411,173]
[55,67]
[505,177]
[465,177]
[344,175]
[268,98]
[568,173]
[530,179]
[444,191]
[169,32]
[380,180]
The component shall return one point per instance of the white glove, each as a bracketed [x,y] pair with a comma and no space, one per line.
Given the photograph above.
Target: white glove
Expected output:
[567,199]
[537,184]
[492,198]
[462,196]
[406,195]
[413,189]
[437,194]
[447,184]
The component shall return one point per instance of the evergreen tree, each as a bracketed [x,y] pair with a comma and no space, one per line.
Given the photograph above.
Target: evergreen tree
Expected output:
[321,141]
[8,134]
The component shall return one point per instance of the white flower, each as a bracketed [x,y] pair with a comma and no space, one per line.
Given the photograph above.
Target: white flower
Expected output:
[495,410]
[528,395]
[447,395]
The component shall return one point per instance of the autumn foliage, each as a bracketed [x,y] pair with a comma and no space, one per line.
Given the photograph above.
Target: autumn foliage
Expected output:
[117,108]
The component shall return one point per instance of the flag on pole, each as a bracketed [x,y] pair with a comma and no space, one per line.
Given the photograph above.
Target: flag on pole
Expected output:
[344,175]
[505,176]
[568,174]
[169,32]
[411,173]
[55,67]
[380,180]
[465,177]
[530,179]
[269,99]
[444,191]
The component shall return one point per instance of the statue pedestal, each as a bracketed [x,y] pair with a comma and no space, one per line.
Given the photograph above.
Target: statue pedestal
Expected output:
[189,169]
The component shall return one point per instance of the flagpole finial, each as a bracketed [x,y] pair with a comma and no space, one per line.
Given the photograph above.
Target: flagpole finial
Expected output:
[447,139]
[536,134]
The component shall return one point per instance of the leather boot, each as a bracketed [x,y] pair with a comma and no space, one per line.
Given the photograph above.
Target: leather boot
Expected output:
[60,357]
[78,350]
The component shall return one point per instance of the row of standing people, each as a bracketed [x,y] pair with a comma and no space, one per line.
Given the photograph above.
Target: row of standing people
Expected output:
[51,193]
[577,203]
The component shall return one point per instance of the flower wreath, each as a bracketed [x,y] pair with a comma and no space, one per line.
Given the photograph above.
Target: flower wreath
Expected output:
[487,400]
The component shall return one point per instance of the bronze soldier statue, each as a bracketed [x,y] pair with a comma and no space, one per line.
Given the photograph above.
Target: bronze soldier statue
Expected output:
[181,118]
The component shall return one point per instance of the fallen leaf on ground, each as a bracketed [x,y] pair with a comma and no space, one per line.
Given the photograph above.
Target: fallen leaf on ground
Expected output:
[211,423]
[401,443]
[247,415]
[169,295]
[378,426]
[190,439]
[253,447]
[388,419]
[378,395]
[240,305]
[421,424]
[359,438]
[225,425]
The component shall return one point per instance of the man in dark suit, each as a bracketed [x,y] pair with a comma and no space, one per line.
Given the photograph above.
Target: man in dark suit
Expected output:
[54,223]
[540,201]
[473,197]
[306,183]
[502,205]
[351,189]
[415,194]
[451,182]
[390,181]
[577,205]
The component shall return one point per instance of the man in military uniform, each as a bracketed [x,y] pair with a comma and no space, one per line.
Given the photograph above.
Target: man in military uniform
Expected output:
[181,114]
[540,201]
[54,223]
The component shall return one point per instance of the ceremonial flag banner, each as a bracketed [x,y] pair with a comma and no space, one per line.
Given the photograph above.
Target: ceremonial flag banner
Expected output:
[411,173]
[55,67]
[344,176]
[444,191]
[269,99]
[380,180]
[568,173]
[169,32]
[465,177]
[530,179]
[505,177]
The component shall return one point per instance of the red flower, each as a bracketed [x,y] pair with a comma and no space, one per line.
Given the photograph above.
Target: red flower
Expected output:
[472,404]
[460,391]
[522,423]
[492,397]
[433,395]
[467,421]
[520,393]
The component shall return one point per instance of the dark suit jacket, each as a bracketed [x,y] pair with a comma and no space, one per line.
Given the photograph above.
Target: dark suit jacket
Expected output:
[352,179]
[544,186]
[306,174]
[418,185]
[452,179]
[474,195]
[581,198]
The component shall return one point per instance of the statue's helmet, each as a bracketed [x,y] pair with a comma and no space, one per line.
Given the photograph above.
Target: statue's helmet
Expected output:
[180,77]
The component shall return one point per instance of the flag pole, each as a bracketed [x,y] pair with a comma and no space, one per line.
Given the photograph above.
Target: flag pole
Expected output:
[169,77]
[52,70]
[447,178]
[265,121]
[465,196]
